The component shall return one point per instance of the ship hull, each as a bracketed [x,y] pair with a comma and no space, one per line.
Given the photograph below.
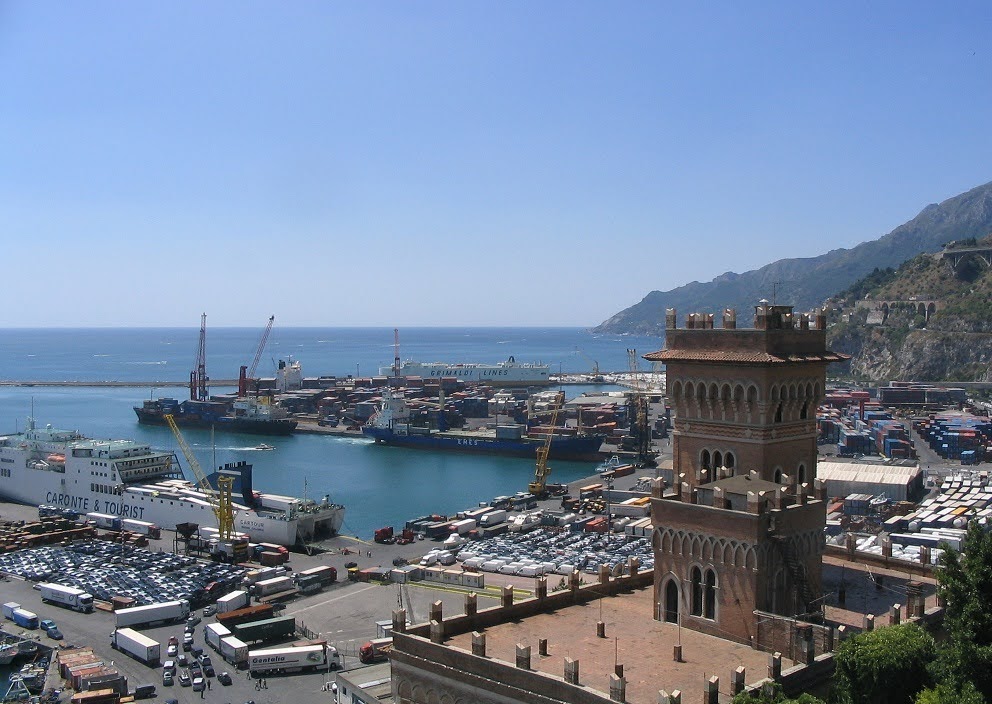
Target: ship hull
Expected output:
[578,447]
[279,426]
[80,482]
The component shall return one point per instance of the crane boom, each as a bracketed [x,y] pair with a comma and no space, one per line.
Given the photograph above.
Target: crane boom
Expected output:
[261,346]
[541,469]
[220,499]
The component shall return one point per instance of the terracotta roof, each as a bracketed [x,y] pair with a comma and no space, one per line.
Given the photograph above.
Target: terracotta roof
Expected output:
[740,357]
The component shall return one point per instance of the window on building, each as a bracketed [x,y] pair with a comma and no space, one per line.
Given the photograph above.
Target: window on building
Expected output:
[778,413]
[709,594]
[696,581]
[704,459]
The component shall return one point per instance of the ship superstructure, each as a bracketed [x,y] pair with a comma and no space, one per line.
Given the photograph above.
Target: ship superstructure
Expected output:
[132,480]
[508,373]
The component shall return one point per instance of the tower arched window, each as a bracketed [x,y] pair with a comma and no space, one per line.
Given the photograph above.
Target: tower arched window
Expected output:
[802,473]
[778,475]
[696,585]
[717,460]
[730,462]
[778,413]
[704,459]
[709,594]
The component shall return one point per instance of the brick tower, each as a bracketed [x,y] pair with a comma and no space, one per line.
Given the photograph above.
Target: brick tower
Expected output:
[743,529]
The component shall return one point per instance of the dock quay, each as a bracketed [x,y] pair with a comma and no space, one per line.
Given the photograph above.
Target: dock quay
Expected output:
[113,384]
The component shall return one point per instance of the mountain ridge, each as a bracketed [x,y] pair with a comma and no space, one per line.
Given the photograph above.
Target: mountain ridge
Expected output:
[807,282]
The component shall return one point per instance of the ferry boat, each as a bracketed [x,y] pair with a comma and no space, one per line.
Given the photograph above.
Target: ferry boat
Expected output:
[131,480]
[245,415]
[508,373]
[390,426]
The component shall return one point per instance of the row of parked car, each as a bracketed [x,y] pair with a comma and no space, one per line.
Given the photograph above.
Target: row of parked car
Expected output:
[190,670]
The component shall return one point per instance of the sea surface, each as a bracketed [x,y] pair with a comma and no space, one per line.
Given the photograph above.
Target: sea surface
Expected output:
[378,485]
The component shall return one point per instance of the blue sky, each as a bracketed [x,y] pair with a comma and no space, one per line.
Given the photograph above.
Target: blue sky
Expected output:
[461,163]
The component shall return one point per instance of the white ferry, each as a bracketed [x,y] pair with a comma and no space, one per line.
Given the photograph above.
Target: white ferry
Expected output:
[508,373]
[131,480]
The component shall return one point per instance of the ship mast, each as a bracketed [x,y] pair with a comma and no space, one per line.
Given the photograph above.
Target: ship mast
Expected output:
[396,353]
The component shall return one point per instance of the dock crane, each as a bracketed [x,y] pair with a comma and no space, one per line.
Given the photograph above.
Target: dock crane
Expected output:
[246,374]
[637,405]
[198,377]
[539,486]
[597,376]
[219,499]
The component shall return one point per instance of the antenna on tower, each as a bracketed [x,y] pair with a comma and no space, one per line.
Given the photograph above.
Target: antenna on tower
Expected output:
[396,353]
[775,285]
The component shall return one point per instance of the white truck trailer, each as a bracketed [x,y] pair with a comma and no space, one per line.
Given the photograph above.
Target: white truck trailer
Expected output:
[165,612]
[213,633]
[273,586]
[137,645]
[233,601]
[291,659]
[69,597]
[233,650]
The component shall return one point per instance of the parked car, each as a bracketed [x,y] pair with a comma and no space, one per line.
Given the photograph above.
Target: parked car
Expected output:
[183,660]
[46,624]
[167,678]
[224,678]
[184,680]
[172,650]
[192,620]
[54,633]
[173,640]
[198,684]
[209,610]
[208,670]
[170,666]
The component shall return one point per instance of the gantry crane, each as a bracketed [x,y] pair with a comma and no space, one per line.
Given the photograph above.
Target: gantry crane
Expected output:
[220,498]
[539,486]
[198,377]
[247,375]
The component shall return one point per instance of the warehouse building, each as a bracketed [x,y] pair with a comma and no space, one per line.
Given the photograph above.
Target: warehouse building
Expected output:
[900,480]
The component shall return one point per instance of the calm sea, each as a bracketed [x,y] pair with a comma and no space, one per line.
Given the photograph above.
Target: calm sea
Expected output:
[378,485]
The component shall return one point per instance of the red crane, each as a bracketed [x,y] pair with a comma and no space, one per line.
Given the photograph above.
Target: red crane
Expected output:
[198,377]
[248,374]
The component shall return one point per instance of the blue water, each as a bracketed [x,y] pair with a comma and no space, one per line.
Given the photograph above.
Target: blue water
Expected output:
[378,485]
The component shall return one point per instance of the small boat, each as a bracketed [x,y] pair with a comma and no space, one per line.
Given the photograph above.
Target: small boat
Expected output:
[264,446]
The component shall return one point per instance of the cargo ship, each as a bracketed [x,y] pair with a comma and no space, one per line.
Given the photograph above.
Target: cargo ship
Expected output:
[245,415]
[131,480]
[508,373]
[390,426]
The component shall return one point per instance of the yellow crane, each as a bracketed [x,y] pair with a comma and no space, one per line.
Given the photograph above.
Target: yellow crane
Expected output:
[220,499]
[541,471]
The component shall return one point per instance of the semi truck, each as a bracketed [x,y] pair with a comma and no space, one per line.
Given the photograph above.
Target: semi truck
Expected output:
[248,613]
[104,520]
[233,601]
[25,619]
[262,573]
[137,645]
[165,612]
[262,631]
[375,650]
[214,632]
[143,527]
[327,574]
[308,583]
[292,659]
[233,650]
[492,518]
[275,585]
[69,597]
